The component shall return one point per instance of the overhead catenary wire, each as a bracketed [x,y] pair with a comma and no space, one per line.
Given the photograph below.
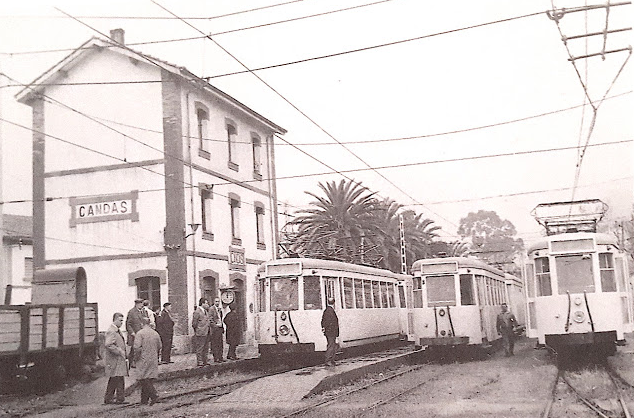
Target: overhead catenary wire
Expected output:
[297,108]
[556,15]
[341,172]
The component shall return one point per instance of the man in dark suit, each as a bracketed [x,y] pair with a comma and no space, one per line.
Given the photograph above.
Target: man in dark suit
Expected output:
[217,330]
[165,328]
[330,328]
[200,323]
[133,324]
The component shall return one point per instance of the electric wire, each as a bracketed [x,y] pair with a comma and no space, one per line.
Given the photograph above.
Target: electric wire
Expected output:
[297,108]
[296,176]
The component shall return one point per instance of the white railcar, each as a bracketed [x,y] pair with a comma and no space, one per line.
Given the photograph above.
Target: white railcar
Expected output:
[577,281]
[456,301]
[370,303]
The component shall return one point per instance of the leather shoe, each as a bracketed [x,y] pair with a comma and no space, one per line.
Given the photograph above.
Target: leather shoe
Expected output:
[153,401]
[121,402]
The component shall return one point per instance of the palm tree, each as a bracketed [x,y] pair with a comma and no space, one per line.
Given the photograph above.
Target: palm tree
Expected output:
[342,225]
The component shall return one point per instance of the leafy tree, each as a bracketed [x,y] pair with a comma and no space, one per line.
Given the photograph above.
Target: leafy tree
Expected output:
[492,238]
[344,225]
[350,224]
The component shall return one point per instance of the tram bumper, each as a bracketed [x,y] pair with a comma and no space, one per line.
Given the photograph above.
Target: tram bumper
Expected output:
[444,341]
[558,340]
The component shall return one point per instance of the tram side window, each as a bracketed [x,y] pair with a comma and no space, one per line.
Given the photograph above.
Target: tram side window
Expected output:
[376,293]
[262,295]
[481,289]
[347,292]
[401,296]
[606,267]
[466,290]
[384,301]
[530,280]
[542,273]
[574,274]
[390,294]
[367,291]
[418,292]
[312,295]
[284,293]
[358,292]
[620,274]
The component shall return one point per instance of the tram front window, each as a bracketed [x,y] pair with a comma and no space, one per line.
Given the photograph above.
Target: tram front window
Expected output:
[574,274]
[284,293]
[441,290]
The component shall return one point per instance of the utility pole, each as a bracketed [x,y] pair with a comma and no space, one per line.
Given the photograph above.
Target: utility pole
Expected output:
[401,228]
[4,279]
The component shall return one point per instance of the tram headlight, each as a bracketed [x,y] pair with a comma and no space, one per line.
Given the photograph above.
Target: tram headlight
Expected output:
[578,316]
[441,312]
[443,333]
[577,301]
[283,316]
[284,330]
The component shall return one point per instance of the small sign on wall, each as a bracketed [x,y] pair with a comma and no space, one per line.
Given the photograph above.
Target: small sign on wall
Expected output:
[237,260]
[104,208]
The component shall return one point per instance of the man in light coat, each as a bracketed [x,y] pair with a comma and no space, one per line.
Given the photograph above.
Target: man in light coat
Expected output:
[115,362]
[147,345]
[200,341]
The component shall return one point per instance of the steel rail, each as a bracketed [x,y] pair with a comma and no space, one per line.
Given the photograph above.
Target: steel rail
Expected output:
[347,393]
[614,376]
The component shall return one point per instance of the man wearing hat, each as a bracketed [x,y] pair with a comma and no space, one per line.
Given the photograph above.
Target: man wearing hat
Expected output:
[133,323]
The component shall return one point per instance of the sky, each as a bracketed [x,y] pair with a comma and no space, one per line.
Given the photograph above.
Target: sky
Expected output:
[445,107]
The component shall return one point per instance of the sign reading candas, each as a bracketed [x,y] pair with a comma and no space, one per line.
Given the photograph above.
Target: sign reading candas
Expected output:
[103,208]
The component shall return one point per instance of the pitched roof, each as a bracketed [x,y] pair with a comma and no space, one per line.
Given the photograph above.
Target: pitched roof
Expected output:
[17,227]
[59,70]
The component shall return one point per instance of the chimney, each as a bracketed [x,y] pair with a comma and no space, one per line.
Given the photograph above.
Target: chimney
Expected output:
[118,35]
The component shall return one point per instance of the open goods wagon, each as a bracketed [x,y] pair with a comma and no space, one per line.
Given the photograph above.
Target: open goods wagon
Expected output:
[54,335]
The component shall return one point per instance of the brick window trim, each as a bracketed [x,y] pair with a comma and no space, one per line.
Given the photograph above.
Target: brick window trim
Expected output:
[261,246]
[236,241]
[208,236]
[204,154]
[233,166]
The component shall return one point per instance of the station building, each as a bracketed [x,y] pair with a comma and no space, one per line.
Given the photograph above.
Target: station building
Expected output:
[16,269]
[158,184]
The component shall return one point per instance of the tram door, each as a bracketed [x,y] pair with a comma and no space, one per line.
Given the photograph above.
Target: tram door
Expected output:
[330,286]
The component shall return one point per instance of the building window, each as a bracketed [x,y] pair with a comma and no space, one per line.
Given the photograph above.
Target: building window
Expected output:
[256,145]
[232,133]
[28,269]
[206,196]
[234,203]
[202,117]
[149,288]
[259,225]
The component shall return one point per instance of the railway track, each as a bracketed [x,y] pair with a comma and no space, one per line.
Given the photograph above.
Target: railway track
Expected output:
[605,381]
[194,396]
[342,396]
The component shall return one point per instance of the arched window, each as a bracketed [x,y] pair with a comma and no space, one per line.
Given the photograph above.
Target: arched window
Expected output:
[259,225]
[149,287]
[234,203]
[232,134]
[202,133]
[256,146]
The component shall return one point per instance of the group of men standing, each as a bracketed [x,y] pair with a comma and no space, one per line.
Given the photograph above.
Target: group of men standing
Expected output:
[209,328]
[149,335]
